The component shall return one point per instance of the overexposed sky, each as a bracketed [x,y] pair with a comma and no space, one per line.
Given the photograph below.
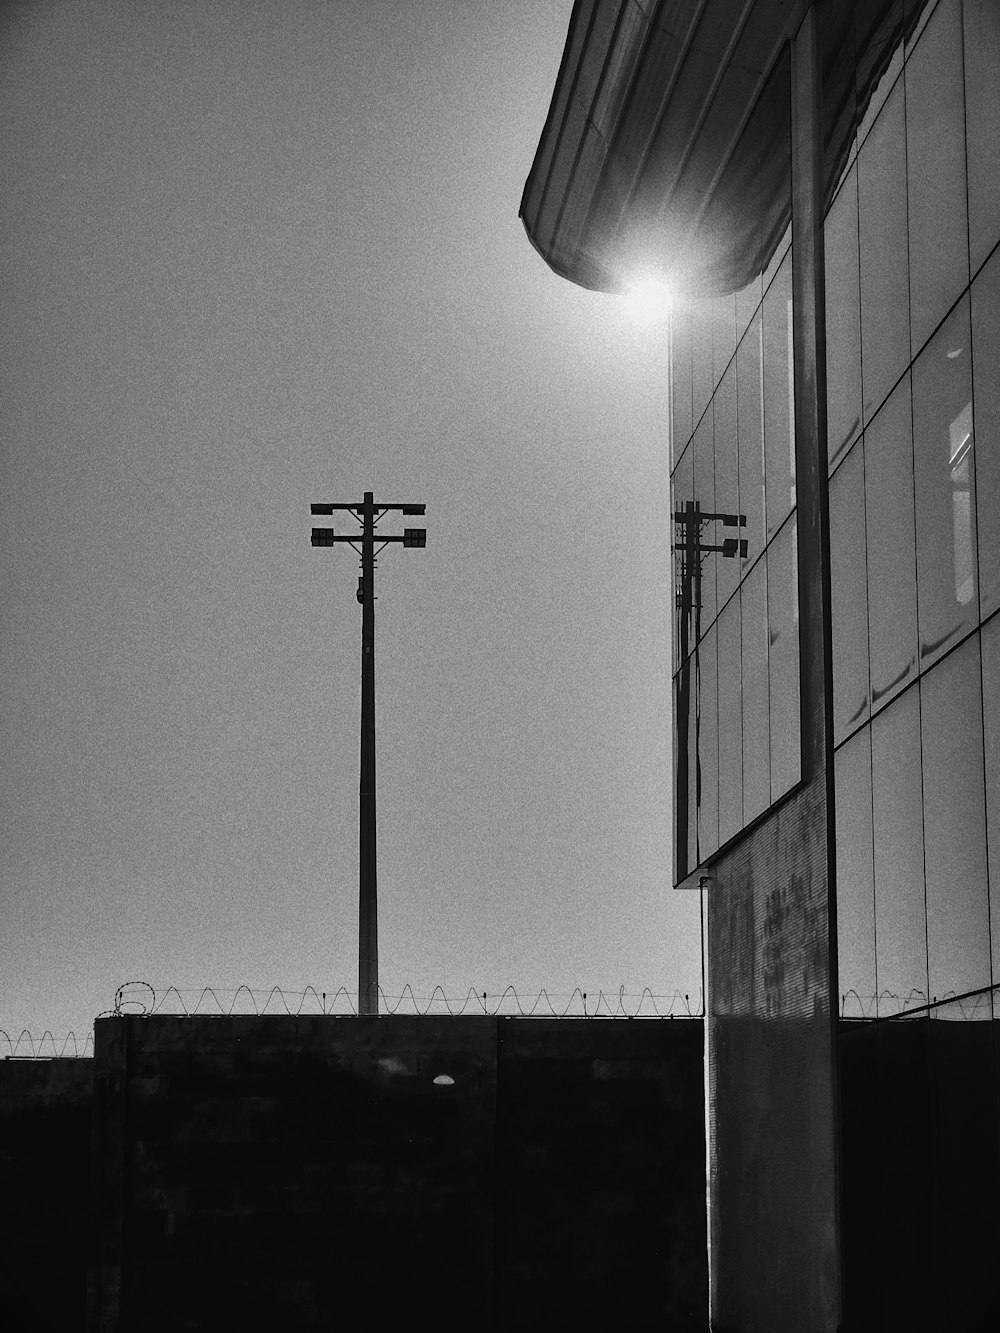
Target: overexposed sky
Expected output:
[260,254]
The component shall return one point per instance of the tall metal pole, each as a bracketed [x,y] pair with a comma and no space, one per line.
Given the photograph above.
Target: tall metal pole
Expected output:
[367,514]
[368,888]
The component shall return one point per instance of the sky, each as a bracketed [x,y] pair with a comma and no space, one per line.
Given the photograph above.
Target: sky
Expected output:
[256,255]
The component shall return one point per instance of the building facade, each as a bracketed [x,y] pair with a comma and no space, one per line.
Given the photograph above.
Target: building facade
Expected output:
[820,185]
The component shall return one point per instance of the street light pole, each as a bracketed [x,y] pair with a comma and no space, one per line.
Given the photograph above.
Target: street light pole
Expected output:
[367,514]
[368,874]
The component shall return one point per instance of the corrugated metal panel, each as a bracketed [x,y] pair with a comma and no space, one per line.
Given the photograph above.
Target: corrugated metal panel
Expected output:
[667,118]
[648,108]
[576,44]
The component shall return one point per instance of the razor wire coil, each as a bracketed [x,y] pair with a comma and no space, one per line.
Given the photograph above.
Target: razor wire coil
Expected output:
[970,1006]
[143,1000]
[46,1047]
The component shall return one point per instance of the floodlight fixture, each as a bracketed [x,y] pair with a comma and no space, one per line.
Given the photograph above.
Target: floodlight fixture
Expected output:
[414,536]
[415,510]
[322,536]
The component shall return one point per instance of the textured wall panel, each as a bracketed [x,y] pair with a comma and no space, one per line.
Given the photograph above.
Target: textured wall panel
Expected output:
[773,1227]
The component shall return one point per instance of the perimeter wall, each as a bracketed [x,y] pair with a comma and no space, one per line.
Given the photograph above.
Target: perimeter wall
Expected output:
[45,1159]
[278,1173]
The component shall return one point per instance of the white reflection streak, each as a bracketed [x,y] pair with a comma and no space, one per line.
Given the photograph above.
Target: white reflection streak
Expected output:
[960,444]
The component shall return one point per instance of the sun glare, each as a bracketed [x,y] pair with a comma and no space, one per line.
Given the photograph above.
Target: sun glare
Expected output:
[648,297]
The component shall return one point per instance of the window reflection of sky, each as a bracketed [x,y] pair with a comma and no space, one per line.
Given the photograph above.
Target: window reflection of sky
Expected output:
[916,568]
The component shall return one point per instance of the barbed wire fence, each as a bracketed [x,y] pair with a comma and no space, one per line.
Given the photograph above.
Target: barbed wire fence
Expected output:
[976,1005]
[141,999]
[46,1047]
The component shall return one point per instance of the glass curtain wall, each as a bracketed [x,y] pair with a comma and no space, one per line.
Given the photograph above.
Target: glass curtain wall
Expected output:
[913,342]
[736,677]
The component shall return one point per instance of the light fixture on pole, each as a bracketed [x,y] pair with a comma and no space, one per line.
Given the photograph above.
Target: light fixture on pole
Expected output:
[367,514]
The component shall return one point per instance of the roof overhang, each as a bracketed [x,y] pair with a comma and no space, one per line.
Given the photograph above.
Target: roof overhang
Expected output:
[667,144]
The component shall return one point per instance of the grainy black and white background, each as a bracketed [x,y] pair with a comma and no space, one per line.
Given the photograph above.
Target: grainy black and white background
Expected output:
[255,255]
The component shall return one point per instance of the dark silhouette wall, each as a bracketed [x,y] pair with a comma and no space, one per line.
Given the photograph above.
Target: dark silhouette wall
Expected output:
[288,1173]
[920,1154]
[45,1162]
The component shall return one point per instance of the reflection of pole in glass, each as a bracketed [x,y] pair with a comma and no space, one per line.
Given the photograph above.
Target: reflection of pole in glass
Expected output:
[688,523]
[368,514]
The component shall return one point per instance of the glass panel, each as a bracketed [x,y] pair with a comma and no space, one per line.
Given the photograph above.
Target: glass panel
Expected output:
[885,311]
[935,167]
[849,594]
[843,320]
[700,317]
[878,34]
[704,494]
[900,924]
[944,486]
[991,737]
[838,101]
[986,410]
[685,772]
[783,659]
[777,259]
[915,16]
[955,824]
[779,412]
[727,483]
[730,724]
[892,558]
[689,680]
[723,334]
[683,492]
[747,301]
[680,380]
[750,426]
[756,753]
[708,746]
[982,124]
[855,877]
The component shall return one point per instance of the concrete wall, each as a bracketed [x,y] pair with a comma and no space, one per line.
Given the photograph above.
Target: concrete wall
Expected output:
[775,1262]
[288,1173]
[600,1212]
[45,1126]
[920,1107]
